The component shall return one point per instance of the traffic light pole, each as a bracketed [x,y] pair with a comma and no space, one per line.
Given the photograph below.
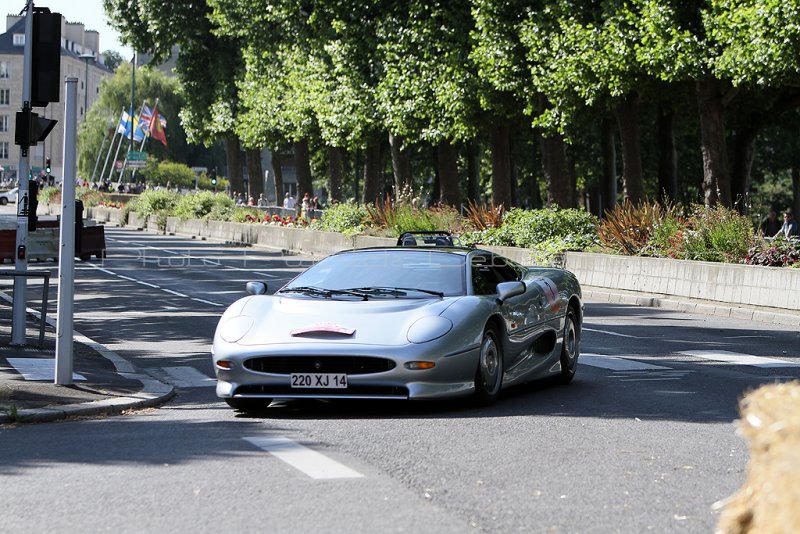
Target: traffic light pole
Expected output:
[19,305]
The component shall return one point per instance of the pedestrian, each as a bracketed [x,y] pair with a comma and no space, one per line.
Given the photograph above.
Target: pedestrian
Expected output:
[304,208]
[288,201]
[262,202]
[790,227]
[770,226]
[251,201]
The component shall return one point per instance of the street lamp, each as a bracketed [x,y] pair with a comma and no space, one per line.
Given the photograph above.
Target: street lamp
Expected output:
[86,58]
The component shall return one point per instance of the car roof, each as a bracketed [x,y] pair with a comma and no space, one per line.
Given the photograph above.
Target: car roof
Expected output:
[463,251]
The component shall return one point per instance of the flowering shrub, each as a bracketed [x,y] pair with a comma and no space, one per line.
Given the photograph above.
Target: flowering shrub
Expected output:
[778,252]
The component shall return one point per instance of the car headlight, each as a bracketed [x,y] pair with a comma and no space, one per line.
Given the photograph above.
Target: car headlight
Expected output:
[235,328]
[428,329]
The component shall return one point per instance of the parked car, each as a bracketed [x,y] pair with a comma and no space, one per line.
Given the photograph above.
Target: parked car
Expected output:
[423,320]
[8,196]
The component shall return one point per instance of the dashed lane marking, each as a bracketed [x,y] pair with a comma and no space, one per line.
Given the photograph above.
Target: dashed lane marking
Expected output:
[610,333]
[618,363]
[188,377]
[310,462]
[735,358]
[38,368]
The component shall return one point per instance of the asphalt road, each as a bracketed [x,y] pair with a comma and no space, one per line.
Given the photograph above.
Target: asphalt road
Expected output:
[643,440]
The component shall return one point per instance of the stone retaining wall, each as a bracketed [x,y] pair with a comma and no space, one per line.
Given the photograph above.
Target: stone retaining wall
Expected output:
[736,285]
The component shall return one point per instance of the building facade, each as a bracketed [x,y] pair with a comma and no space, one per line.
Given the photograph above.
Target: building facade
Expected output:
[80,58]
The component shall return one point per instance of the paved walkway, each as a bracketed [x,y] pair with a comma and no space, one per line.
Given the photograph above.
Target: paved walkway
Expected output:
[103,382]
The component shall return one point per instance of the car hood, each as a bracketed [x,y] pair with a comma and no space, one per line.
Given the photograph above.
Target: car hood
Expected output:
[292,320]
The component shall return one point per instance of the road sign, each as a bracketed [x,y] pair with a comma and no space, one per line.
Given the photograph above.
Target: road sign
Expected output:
[199,169]
[135,155]
[137,164]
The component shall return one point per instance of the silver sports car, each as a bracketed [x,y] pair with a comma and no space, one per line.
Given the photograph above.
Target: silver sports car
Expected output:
[407,322]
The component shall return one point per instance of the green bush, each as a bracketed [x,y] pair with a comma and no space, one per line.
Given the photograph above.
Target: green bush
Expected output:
[49,195]
[202,205]
[348,219]
[168,172]
[153,201]
[547,231]
[718,234]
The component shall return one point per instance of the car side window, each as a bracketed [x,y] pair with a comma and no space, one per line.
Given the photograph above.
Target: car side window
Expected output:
[484,275]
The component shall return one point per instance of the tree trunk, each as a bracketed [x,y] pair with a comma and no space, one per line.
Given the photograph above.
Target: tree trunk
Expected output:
[473,172]
[627,114]
[501,165]
[447,161]
[335,174]
[554,163]
[255,174]
[401,166]
[608,187]
[796,192]
[302,165]
[372,171]
[744,153]
[716,182]
[667,155]
[234,164]
[276,166]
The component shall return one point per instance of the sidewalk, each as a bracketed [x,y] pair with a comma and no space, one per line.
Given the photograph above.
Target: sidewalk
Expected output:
[103,382]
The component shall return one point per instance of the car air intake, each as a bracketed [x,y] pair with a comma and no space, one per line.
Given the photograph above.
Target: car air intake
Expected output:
[351,365]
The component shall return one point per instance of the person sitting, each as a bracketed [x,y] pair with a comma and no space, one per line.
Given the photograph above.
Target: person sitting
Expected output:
[790,227]
[770,226]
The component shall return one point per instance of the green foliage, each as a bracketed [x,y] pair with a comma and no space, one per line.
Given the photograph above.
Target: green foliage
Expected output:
[718,234]
[202,205]
[154,201]
[168,173]
[547,231]
[778,252]
[348,219]
[49,195]
[89,197]
[637,228]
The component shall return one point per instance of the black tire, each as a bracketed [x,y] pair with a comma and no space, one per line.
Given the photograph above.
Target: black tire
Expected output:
[570,347]
[248,405]
[489,375]
[3,201]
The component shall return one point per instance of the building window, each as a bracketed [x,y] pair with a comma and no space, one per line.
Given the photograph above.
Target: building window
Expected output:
[19,39]
[5,97]
[3,123]
[4,70]
[4,150]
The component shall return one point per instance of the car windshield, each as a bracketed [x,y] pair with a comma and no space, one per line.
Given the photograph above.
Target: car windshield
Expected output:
[387,274]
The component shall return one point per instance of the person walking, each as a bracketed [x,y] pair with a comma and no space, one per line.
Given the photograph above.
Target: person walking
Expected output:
[770,226]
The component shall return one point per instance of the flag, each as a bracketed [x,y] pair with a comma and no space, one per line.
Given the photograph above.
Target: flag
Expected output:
[124,126]
[156,126]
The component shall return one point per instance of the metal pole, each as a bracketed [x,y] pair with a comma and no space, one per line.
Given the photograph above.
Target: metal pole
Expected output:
[19,305]
[99,153]
[66,257]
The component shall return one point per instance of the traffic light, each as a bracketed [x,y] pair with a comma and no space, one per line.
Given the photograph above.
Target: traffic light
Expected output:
[46,57]
[214,177]
[33,204]
[47,165]
[31,128]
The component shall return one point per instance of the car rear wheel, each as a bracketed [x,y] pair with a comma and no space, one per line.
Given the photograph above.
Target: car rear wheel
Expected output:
[3,201]
[570,348]
[248,405]
[489,376]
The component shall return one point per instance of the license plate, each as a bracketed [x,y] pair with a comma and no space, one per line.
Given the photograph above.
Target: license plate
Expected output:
[318,380]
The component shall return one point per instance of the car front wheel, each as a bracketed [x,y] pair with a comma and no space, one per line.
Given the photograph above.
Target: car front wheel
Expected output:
[3,201]
[570,348]
[489,376]
[248,405]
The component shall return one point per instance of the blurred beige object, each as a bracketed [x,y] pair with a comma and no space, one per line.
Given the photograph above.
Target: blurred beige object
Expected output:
[769,501]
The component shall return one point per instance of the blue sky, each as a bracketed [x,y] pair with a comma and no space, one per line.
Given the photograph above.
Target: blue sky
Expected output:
[89,12]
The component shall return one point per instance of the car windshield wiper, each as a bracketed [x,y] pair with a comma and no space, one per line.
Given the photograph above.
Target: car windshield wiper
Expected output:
[322,292]
[395,291]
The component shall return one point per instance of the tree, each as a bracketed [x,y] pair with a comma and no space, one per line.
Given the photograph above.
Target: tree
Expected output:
[94,134]
[113,59]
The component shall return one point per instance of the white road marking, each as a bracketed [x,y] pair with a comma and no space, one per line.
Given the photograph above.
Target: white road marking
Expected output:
[208,302]
[174,292]
[617,363]
[188,377]
[608,332]
[735,358]
[312,463]
[38,368]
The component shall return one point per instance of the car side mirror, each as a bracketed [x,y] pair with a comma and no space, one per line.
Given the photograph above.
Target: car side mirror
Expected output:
[506,290]
[256,288]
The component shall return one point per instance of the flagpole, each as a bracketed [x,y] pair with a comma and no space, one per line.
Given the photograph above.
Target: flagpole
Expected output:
[111,170]
[100,152]
[111,146]
[146,134]
[133,102]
